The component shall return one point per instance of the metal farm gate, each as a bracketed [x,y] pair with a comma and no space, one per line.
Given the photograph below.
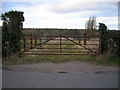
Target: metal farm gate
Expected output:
[60,43]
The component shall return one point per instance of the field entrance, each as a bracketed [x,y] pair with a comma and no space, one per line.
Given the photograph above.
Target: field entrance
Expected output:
[60,43]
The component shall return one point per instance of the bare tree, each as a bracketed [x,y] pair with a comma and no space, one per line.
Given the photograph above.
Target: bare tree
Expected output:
[90,26]
[91,23]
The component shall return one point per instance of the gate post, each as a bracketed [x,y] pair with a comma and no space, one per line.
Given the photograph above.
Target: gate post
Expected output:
[99,44]
[24,40]
[40,41]
[79,41]
[31,41]
[35,40]
[85,38]
[60,45]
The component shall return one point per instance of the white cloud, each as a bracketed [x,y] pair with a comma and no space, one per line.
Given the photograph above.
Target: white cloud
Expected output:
[108,20]
[46,15]
[111,22]
[68,6]
[73,6]
[40,16]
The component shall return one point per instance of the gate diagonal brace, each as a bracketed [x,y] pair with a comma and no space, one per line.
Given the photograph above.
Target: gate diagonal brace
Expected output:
[48,40]
[79,44]
[41,43]
[67,39]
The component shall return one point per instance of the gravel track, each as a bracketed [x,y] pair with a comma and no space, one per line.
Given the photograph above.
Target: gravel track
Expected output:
[68,67]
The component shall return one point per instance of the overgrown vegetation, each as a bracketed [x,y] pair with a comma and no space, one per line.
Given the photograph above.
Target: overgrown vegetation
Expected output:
[115,35]
[11,32]
[103,38]
[101,59]
[109,41]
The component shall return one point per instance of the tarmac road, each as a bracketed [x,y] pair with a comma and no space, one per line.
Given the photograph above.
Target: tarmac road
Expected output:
[28,79]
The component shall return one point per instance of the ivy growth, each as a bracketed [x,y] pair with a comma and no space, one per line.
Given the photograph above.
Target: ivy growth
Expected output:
[11,32]
[104,36]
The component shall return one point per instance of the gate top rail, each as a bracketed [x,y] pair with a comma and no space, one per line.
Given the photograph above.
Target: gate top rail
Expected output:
[61,35]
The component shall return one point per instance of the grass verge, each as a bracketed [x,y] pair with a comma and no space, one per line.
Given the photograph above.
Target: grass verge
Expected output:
[101,59]
[43,58]
[107,60]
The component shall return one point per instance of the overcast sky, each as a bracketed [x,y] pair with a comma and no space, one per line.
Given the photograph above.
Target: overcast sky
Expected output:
[64,13]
